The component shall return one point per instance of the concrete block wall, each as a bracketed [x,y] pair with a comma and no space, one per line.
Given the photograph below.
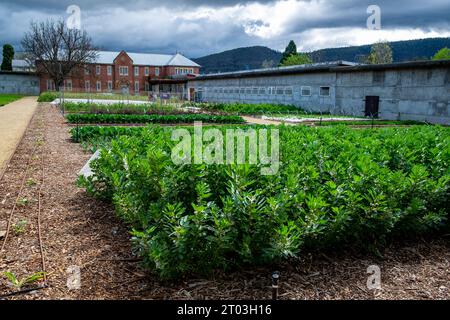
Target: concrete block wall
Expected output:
[421,94]
[416,94]
[314,102]
[18,83]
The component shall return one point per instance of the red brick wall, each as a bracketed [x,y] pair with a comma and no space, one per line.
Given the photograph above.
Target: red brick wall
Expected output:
[79,77]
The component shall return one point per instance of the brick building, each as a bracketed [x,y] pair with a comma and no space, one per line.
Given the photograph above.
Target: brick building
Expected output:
[134,73]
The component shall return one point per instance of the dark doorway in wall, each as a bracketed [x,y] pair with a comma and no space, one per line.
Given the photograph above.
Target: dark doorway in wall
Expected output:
[372,106]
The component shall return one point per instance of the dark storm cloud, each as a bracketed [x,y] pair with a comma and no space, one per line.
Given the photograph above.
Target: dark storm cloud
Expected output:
[57,5]
[179,25]
[400,13]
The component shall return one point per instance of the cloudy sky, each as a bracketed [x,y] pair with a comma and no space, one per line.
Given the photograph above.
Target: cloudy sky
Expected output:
[200,27]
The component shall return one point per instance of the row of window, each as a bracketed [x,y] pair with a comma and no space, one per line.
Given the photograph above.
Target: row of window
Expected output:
[288,91]
[123,71]
[184,71]
[137,86]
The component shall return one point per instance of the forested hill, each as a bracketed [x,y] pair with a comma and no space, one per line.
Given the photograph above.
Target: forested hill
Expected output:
[410,50]
[259,57]
[239,59]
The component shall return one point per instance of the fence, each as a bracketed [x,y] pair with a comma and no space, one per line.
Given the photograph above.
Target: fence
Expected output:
[121,96]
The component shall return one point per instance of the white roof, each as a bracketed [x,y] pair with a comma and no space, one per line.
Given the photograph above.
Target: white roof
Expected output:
[148,59]
[17,63]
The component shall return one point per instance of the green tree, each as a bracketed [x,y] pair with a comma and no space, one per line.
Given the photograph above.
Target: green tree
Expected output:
[8,56]
[290,50]
[297,59]
[443,54]
[380,53]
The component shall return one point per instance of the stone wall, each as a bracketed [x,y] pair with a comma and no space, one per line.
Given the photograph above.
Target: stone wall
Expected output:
[19,83]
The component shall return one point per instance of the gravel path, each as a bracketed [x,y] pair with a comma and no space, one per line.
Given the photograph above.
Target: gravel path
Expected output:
[261,121]
[81,232]
[14,119]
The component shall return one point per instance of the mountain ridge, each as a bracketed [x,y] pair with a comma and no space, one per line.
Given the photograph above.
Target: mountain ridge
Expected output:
[248,58]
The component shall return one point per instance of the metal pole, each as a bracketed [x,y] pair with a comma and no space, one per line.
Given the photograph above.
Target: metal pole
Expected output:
[275,281]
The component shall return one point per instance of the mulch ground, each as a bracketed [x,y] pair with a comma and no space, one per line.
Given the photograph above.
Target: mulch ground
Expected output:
[80,231]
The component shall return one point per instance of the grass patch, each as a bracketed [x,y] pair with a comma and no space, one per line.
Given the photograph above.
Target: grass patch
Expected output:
[8,98]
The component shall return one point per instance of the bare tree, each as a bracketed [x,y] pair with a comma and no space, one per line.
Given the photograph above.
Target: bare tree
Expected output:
[58,50]
[266,64]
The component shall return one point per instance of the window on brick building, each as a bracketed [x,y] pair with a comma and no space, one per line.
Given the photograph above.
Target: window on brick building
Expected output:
[98,70]
[110,86]
[109,70]
[99,86]
[50,85]
[68,85]
[136,71]
[147,71]
[123,70]
[87,85]
[136,86]
[157,72]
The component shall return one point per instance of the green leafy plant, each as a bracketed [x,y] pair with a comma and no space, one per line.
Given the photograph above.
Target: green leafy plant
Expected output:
[120,108]
[23,282]
[23,201]
[336,187]
[242,108]
[30,182]
[48,97]
[125,118]
[20,226]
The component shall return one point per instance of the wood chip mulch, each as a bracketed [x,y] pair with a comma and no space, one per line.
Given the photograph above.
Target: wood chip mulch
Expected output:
[80,231]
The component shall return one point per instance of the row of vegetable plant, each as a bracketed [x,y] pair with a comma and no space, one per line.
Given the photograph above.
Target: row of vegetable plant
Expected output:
[243,108]
[335,187]
[120,108]
[153,118]
[49,96]
[370,123]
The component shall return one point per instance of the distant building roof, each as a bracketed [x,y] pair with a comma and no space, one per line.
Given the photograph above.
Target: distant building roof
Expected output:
[20,65]
[276,70]
[335,66]
[148,59]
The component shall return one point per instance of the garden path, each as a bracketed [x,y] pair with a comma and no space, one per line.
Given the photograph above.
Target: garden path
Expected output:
[14,119]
